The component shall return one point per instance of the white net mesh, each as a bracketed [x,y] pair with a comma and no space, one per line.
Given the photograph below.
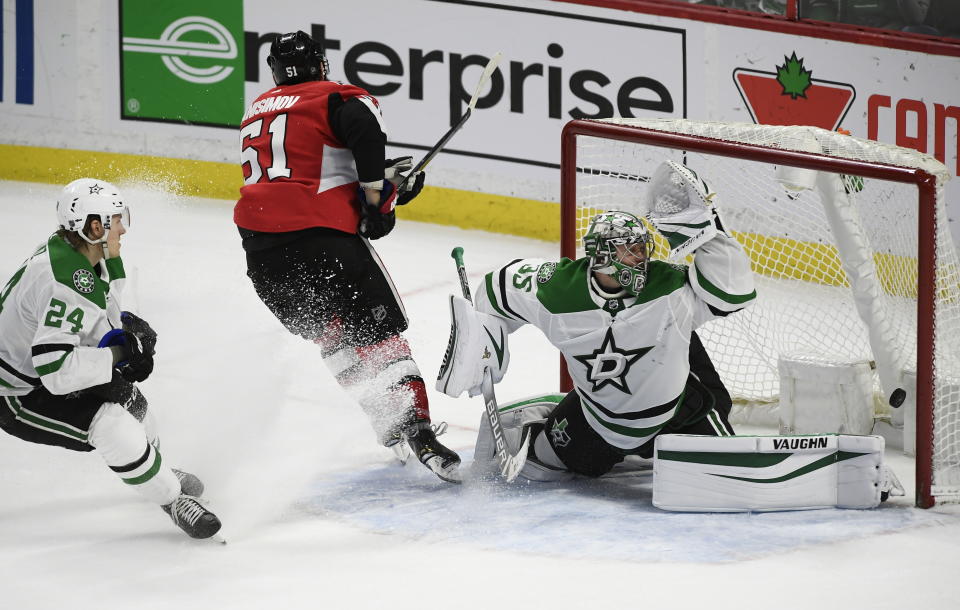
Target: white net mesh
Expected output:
[805,303]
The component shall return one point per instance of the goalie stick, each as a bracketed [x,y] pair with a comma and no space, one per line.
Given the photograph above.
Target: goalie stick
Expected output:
[422,164]
[511,460]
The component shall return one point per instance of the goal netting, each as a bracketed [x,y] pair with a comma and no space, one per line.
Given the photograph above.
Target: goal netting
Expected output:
[848,239]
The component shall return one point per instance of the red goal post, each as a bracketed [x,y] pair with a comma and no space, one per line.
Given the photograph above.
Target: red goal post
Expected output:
[616,155]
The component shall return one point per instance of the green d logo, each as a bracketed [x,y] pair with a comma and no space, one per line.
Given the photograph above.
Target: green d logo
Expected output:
[178,65]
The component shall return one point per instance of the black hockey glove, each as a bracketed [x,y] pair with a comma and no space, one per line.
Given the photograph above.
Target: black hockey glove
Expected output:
[393,171]
[137,363]
[411,189]
[373,224]
[377,221]
[133,360]
[139,327]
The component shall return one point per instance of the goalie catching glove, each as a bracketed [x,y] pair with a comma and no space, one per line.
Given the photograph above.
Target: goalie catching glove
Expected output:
[478,341]
[682,208]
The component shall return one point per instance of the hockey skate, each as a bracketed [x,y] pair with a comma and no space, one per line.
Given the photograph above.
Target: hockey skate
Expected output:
[422,440]
[190,484]
[190,516]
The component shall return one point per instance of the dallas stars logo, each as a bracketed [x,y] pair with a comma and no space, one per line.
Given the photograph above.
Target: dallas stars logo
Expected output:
[83,281]
[95,189]
[610,364]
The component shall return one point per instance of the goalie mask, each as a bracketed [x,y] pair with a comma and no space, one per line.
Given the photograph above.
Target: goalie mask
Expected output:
[88,197]
[296,58]
[619,245]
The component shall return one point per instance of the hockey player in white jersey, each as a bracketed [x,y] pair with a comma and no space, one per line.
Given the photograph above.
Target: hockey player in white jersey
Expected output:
[70,357]
[644,384]
[625,326]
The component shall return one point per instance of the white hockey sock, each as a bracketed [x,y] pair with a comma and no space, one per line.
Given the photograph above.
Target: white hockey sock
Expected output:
[385,381]
[150,429]
[121,441]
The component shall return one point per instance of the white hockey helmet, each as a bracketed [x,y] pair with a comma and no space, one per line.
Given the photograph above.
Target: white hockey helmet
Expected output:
[90,197]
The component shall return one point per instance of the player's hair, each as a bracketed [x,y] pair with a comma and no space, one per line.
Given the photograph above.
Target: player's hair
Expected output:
[73,237]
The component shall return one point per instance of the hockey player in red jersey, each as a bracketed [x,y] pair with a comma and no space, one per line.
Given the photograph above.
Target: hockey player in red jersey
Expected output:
[317,189]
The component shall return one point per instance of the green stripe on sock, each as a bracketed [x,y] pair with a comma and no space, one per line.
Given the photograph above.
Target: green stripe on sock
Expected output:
[149,474]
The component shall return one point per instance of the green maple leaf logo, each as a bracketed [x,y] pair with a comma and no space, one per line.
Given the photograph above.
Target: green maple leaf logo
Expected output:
[792,77]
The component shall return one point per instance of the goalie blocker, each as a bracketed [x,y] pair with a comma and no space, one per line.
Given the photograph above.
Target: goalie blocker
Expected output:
[477,341]
[770,473]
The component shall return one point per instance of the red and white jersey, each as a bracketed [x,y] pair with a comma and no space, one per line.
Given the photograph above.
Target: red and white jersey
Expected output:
[297,174]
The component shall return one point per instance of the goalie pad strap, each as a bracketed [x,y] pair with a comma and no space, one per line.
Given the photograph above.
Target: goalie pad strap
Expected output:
[767,473]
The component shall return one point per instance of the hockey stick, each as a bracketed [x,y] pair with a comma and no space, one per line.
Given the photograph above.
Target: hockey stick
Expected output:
[511,461]
[422,164]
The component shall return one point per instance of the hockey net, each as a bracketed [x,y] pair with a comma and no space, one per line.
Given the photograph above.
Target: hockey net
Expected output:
[842,269]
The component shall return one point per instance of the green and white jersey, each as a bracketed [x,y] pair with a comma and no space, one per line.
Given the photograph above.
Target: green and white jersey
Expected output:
[53,312]
[628,356]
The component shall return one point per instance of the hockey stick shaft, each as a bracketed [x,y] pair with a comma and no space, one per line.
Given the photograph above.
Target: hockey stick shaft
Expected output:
[457,255]
[511,460]
[442,142]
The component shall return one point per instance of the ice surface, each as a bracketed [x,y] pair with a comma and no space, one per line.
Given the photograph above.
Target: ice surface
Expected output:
[317,515]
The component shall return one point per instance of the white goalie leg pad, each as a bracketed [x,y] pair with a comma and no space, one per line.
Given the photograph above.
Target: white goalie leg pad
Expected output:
[477,341]
[120,439]
[768,473]
[544,465]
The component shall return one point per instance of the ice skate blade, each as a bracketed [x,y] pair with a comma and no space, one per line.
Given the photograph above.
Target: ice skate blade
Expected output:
[450,474]
[401,451]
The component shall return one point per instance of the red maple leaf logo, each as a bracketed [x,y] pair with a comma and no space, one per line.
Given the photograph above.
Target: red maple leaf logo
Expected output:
[790,96]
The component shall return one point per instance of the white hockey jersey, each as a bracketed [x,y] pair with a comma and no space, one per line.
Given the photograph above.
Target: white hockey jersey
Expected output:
[628,356]
[53,313]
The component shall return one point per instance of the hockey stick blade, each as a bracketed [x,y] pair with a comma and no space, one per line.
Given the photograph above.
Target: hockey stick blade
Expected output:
[435,150]
[487,73]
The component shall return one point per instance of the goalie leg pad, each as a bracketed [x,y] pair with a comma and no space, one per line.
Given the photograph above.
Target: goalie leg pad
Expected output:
[513,416]
[542,462]
[477,341]
[767,473]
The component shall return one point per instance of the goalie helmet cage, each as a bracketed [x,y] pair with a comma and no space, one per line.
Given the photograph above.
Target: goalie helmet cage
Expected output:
[859,267]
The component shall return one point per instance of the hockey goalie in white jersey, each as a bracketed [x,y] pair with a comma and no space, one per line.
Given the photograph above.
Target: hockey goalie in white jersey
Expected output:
[70,357]
[624,324]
